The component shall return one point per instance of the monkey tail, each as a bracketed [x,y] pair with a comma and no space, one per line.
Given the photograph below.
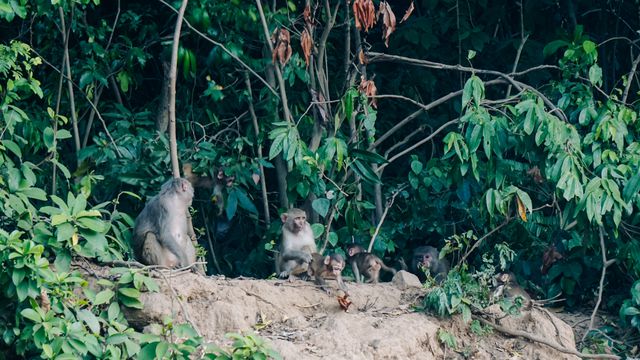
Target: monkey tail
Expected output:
[386,268]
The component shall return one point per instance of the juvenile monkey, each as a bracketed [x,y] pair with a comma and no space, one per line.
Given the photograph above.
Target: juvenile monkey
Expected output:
[508,287]
[366,263]
[162,232]
[297,245]
[327,267]
[427,259]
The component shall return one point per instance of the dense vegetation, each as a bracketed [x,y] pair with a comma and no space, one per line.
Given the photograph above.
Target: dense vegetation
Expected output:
[505,131]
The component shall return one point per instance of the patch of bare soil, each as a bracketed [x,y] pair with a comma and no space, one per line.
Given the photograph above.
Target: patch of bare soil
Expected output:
[301,321]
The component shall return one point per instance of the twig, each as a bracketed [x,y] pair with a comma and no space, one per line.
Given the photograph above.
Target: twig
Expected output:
[220,45]
[173,145]
[375,56]
[256,128]
[384,215]
[544,341]
[605,264]
[632,72]
[519,52]
[283,94]
[213,253]
[412,147]
[72,103]
[185,313]
[475,246]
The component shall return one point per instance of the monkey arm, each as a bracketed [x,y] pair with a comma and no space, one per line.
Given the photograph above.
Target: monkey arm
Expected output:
[356,272]
[297,255]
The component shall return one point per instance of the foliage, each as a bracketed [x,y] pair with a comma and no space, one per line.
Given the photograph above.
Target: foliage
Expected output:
[508,135]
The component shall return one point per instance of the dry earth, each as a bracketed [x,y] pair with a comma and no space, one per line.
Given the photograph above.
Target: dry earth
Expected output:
[301,321]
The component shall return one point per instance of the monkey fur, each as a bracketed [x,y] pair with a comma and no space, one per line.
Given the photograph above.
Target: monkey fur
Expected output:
[327,267]
[426,259]
[297,245]
[366,263]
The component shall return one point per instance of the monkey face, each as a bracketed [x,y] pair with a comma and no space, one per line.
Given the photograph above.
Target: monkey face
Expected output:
[299,222]
[334,263]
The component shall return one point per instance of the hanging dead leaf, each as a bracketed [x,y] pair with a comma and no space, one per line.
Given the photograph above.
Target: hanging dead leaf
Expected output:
[388,21]
[368,87]
[74,239]
[344,302]
[522,210]
[407,13]
[282,47]
[307,44]
[307,15]
[364,13]
[363,58]
[536,175]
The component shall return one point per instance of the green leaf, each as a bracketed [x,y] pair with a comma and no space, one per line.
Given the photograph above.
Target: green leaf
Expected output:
[244,201]
[103,297]
[416,167]
[589,47]
[129,292]
[131,303]
[317,229]
[232,205]
[368,156]
[48,138]
[595,75]
[31,315]
[90,319]
[333,238]
[365,172]
[321,206]
[13,147]
[552,47]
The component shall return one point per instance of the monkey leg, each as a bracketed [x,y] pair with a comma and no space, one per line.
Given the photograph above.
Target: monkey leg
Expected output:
[155,254]
[293,267]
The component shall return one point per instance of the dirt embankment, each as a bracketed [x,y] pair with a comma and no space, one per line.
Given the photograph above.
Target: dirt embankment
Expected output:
[302,322]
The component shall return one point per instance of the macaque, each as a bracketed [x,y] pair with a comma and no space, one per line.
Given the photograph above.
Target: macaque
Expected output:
[426,259]
[163,232]
[508,287]
[297,245]
[366,263]
[327,267]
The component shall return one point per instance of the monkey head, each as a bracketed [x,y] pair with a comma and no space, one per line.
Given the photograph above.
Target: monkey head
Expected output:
[424,257]
[354,249]
[334,263]
[294,220]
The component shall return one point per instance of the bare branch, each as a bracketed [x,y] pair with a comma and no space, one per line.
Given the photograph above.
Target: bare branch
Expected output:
[173,145]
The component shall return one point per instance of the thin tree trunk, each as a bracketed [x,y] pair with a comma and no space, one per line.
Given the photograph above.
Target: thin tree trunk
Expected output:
[173,144]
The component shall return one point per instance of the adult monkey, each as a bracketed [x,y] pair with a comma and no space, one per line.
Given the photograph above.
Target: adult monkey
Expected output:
[163,233]
[297,245]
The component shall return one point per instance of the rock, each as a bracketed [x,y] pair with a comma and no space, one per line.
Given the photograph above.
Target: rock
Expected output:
[404,280]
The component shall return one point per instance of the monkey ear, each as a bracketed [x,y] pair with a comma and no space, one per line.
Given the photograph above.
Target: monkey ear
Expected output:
[327,260]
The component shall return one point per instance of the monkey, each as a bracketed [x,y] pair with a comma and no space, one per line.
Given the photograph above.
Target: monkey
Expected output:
[508,287]
[297,245]
[327,267]
[426,259]
[366,263]
[162,232]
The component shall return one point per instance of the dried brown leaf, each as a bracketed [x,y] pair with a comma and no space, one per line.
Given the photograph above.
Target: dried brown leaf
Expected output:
[282,48]
[368,87]
[522,210]
[388,21]
[344,302]
[307,44]
[307,15]
[407,13]
[364,13]
[362,58]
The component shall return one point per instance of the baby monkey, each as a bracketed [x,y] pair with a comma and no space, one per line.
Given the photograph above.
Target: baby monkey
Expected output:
[508,287]
[327,267]
[367,264]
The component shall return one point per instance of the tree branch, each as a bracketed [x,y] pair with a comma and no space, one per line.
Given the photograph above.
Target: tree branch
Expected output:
[173,145]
